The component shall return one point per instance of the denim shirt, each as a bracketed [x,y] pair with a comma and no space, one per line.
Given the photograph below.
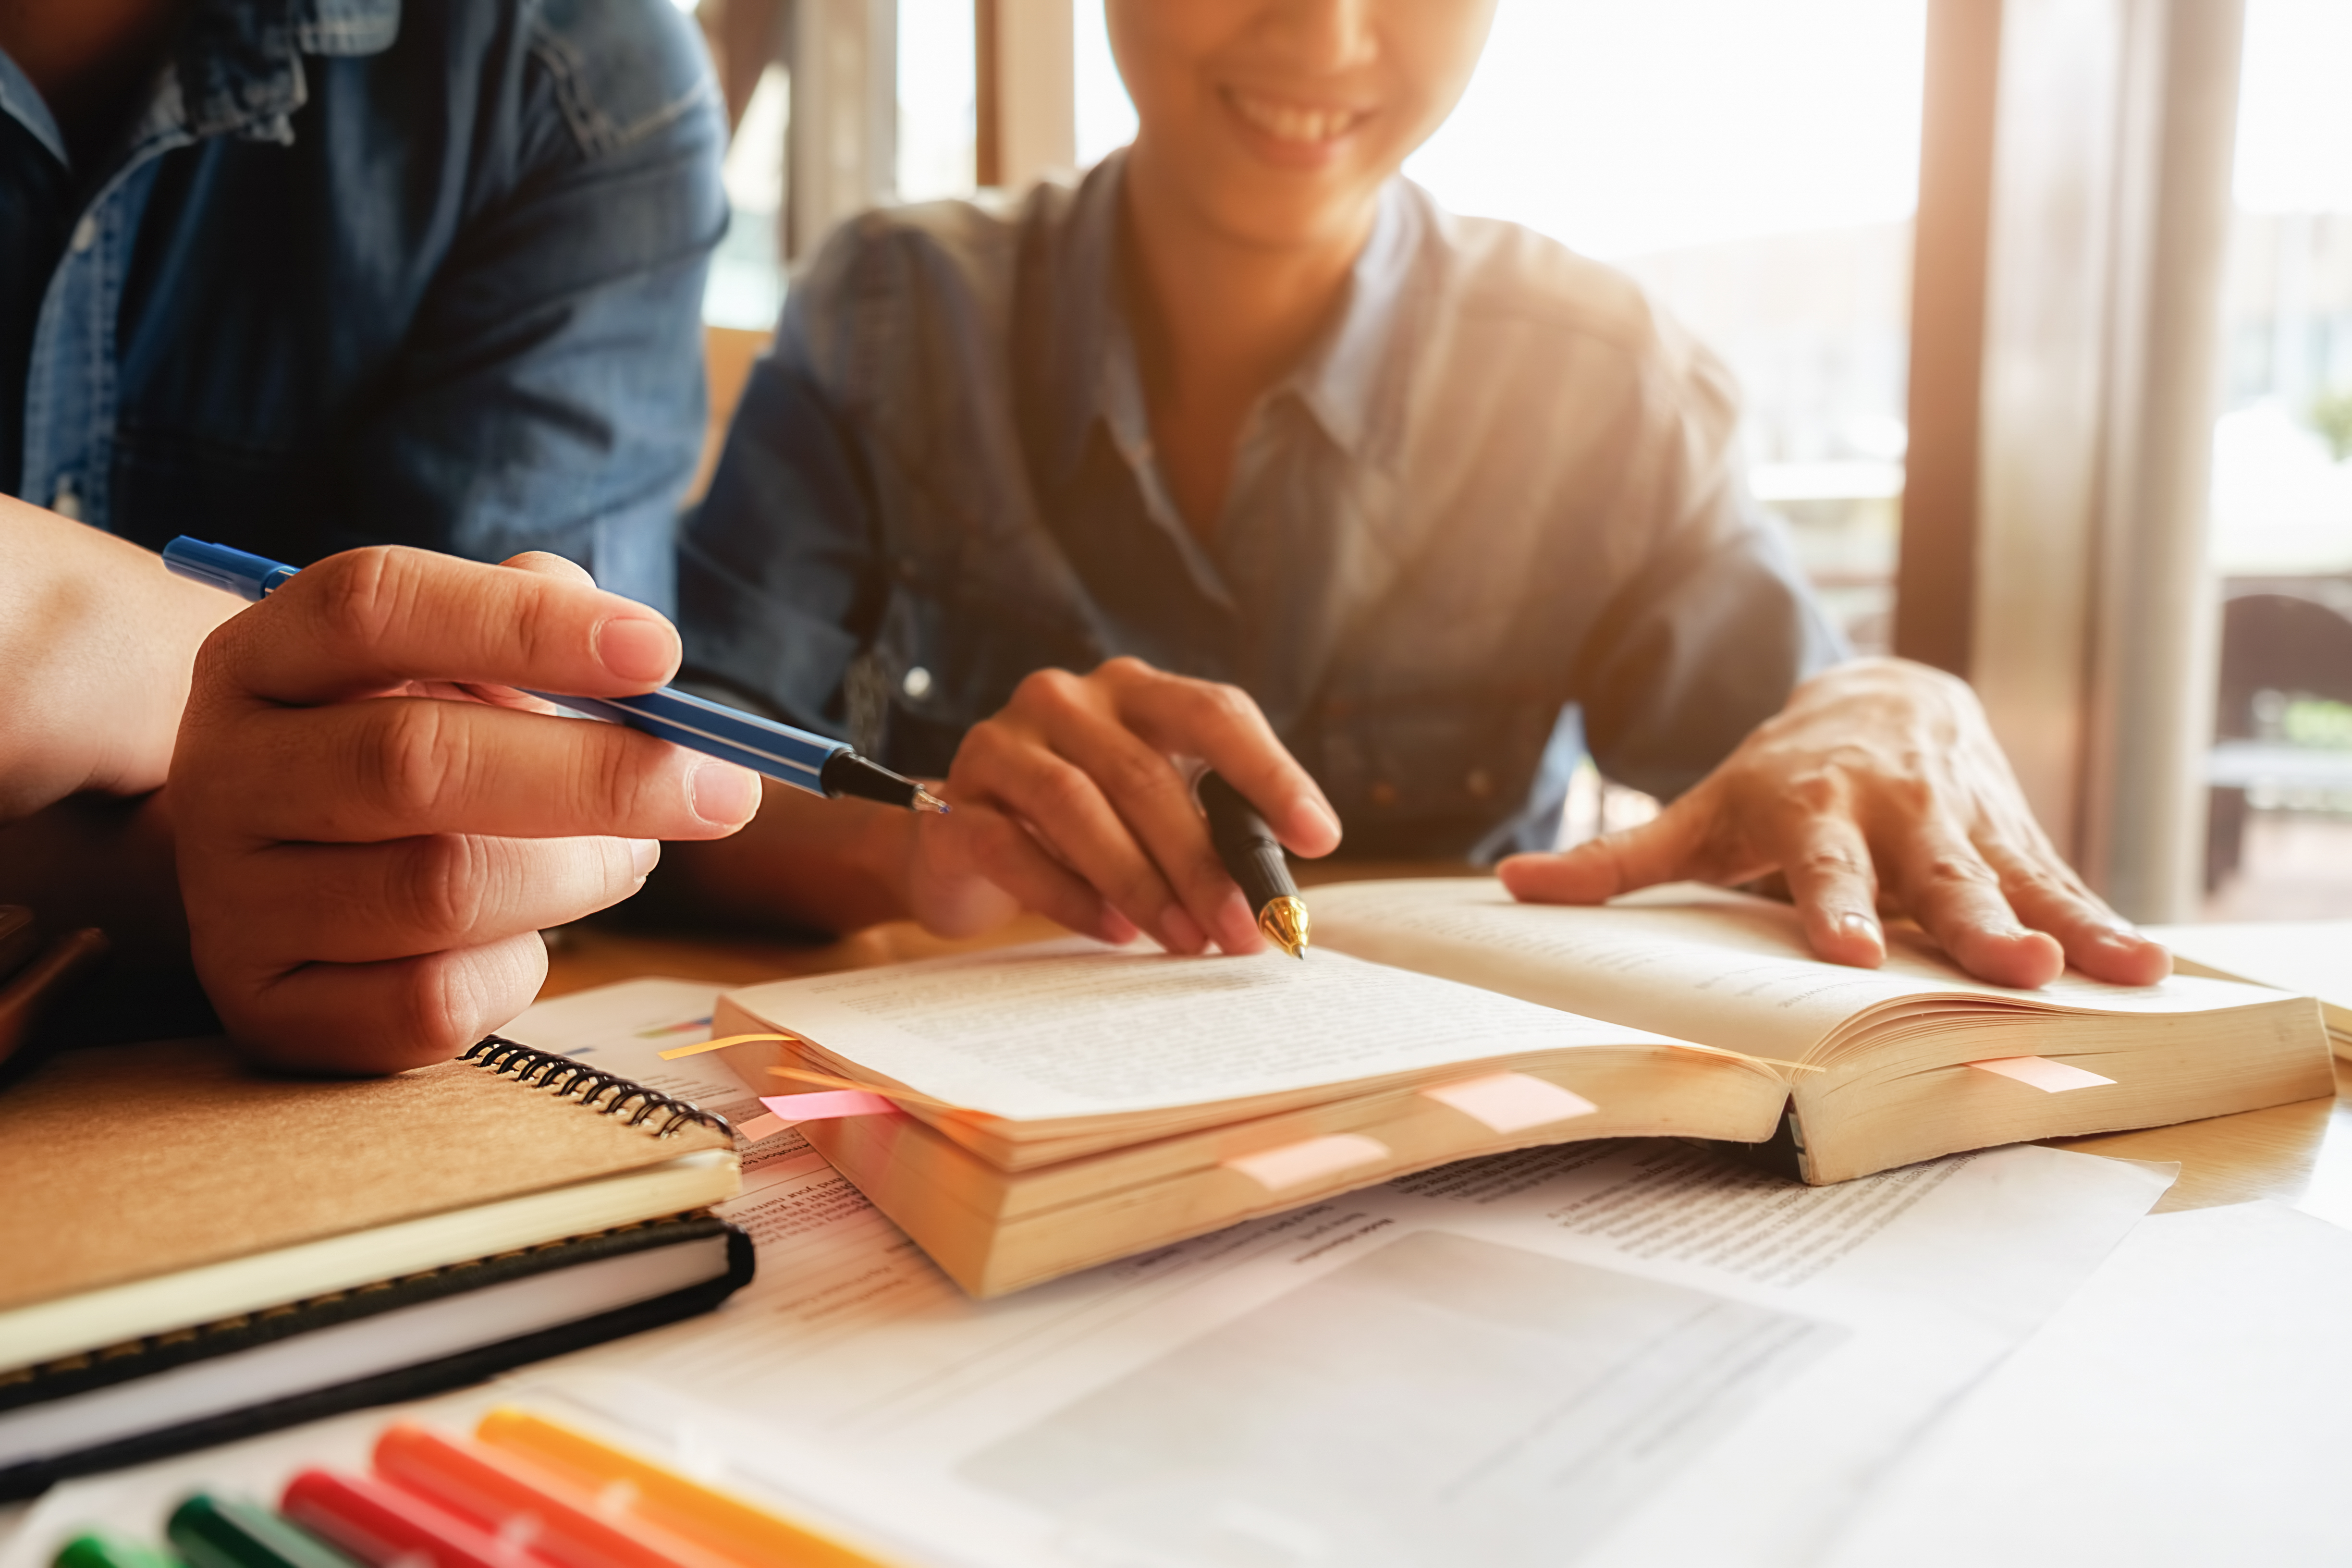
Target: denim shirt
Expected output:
[1493,516]
[363,271]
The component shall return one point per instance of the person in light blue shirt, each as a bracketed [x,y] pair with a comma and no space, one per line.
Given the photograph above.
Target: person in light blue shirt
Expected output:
[1245,450]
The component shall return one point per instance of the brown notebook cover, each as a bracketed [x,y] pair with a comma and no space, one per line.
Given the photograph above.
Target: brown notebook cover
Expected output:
[124,1162]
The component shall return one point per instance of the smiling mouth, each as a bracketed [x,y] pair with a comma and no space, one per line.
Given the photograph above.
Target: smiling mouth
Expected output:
[1295,123]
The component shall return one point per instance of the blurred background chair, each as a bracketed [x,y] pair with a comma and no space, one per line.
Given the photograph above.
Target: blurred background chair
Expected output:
[2285,671]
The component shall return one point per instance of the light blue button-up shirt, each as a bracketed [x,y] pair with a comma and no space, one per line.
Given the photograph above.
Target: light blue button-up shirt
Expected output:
[1493,516]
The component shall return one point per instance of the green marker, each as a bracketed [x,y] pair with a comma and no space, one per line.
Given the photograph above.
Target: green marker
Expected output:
[95,1550]
[230,1532]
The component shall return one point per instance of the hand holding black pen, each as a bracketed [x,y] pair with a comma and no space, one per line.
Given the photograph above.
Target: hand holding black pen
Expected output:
[1067,800]
[1254,855]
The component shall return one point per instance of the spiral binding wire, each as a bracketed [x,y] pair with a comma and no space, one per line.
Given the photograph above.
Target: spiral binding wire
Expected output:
[607,1094]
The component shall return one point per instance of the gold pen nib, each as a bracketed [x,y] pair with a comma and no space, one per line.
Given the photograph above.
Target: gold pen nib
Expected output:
[1284,921]
[925,801]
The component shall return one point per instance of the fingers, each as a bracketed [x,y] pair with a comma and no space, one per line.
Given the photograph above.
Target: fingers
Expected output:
[355,903]
[1177,717]
[385,1017]
[977,841]
[364,865]
[1666,848]
[1835,886]
[397,767]
[2097,941]
[1093,824]
[1947,887]
[368,619]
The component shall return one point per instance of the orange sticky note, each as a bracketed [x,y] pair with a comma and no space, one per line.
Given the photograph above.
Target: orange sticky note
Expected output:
[2049,1076]
[1310,1160]
[760,1127]
[1511,1101]
[827,1104]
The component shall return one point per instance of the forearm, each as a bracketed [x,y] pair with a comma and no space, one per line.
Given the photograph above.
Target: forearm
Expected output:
[820,866]
[97,640]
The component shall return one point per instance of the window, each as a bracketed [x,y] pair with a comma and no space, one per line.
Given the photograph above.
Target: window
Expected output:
[2279,839]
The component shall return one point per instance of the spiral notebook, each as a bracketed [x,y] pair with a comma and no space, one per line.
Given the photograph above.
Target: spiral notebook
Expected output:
[167,1203]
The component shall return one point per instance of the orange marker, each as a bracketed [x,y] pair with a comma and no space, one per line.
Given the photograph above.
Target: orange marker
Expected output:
[743,1532]
[517,1501]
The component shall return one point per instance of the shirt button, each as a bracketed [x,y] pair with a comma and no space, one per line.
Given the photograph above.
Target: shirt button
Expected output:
[1480,783]
[66,502]
[917,682]
[1383,793]
[85,234]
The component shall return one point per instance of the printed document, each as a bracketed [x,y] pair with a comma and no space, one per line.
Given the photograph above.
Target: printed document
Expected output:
[1603,1353]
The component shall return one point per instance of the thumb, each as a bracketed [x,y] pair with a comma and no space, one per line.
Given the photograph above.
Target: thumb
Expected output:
[1662,849]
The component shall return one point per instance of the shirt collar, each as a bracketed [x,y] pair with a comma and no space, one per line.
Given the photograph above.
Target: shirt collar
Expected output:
[240,62]
[1353,377]
[21,104]
[1353,380]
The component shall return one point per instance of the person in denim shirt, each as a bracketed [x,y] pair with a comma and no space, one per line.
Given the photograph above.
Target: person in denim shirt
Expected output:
[1245,450]
[301,276]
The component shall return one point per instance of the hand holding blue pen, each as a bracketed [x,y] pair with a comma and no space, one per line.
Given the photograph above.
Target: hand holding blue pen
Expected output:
[816,764]
[369,842]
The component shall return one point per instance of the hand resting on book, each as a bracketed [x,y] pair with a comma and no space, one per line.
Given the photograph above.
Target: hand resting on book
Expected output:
[1878,786]
[372,828]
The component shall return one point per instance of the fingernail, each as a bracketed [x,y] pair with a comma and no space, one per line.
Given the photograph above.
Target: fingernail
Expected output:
[1319,811]
[1184,933]
[1862,926]
[636,649]
[724,794]
[644,854]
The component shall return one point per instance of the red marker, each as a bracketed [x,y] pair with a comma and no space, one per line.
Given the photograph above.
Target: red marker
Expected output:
[382,1525]
[515,1500]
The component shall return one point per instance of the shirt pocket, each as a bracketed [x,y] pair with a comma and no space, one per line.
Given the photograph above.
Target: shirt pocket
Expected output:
[1427,774]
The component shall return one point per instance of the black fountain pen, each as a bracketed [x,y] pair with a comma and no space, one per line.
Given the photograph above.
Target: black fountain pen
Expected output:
[1254,855]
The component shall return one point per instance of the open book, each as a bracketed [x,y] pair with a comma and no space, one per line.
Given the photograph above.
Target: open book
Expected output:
[1068,1103]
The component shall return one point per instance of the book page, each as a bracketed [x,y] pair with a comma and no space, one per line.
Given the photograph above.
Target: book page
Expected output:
[1076,1028]
[1702,964]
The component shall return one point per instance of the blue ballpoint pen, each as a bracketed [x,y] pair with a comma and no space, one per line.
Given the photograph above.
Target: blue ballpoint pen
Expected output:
[813,763]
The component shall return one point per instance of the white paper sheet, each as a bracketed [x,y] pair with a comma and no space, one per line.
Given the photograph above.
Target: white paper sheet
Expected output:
[2190,1405]
[1605,1355]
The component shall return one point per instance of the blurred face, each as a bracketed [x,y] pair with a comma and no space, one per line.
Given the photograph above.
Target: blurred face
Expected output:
[1276,120]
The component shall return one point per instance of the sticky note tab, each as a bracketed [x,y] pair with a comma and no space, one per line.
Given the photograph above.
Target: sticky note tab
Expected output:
[1511,1101]
[2049,1076]
[1295,1165]
[826,1105]
[761,1127]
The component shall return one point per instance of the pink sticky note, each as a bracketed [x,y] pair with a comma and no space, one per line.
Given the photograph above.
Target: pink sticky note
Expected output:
[2049,1076]
[1511,1101]
[1295,1165]
[761,1127]
[827,1104]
